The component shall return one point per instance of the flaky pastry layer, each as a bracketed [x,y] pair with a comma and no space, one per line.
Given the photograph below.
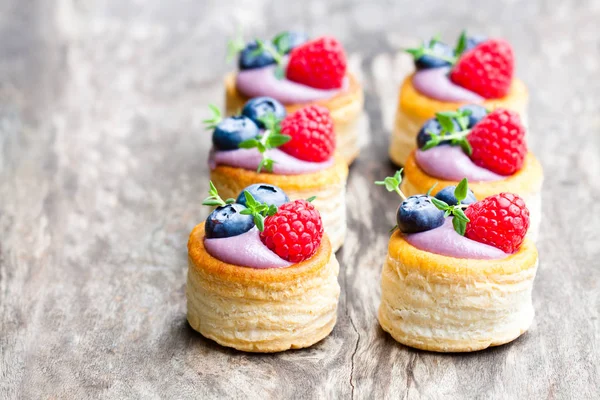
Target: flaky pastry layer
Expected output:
[262,310]
[346,110]
[328,185]
[414,109]
[445,304]
[527,183]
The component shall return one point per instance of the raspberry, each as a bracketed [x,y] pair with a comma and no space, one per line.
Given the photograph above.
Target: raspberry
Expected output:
[294,233]
[311,129]
[320,63]
[498,142]
[501,221]
[487,69]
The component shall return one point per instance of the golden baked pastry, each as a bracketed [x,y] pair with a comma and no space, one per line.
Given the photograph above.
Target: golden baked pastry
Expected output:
[346,109]
[526,182]
[414,109]
[261,310]
[445,304]
[328,185]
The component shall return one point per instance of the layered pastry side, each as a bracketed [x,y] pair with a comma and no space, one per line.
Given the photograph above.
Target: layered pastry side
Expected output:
[478,71]
[297,72]
[451,286]
[254,294]
[499,162]
[304,166]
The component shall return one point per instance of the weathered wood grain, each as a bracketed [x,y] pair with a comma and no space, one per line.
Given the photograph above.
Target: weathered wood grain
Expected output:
[103,165]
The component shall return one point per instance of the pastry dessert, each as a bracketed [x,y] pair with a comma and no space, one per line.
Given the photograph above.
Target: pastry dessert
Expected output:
[477,70]
[295,152]
[297,71]
[488,149]
[458,277]
[262,276]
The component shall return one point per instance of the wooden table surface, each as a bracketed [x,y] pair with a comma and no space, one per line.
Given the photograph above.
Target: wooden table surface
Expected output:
[103,168]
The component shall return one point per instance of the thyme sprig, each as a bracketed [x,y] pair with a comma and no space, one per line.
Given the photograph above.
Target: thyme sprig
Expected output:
[460,220]
[270,139]
[214,199]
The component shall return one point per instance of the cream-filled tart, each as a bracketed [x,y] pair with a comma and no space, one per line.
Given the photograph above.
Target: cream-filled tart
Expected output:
[297,72]
[262,275]
[477,71]
[295,152]
[489,149]
[459,273]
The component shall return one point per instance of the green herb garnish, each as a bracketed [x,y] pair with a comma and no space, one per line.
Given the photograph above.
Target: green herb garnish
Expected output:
[275,52]
[449,131]
[392,183]
[235,45]
[428,49]
[213,121]
[460,220]
[270,139]
[214,199]
[259,211]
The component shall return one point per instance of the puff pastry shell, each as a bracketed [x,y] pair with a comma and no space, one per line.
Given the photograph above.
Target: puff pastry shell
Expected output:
[438,303]
[262,310]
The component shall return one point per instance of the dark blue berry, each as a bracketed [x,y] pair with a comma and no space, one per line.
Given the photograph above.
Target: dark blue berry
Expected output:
[432,125]
[477,113]
[259,107]
[447,195]
[264,193]
[232,131]
[428,61]
[249,59]
[226,221]
[418,214]
[473,41]
[289,40]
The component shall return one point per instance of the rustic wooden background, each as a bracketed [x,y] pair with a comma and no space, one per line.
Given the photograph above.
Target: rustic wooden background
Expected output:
[103,166]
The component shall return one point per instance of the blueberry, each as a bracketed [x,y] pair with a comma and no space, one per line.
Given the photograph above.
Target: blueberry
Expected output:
[248,59]
[230,132]
[226,221]
[428,61]
[289,40]
[447,195]
[477,113]
[418,214]
[431,125]
[473,41]
[264,193]
[258,107]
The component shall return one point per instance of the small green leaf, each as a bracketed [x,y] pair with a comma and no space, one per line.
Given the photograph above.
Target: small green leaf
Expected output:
[432,142]
[461,190]
[250,201]
[466,147]
[272,210]
[248,144]
[230,201]
[461,45]
[277,140]
[211,202]
[282,42]
[391,183]
[259,220]
[447,213]
[246,211]
[460,214]
[459,225]
[416,53]
[311,199]
[446,122]
[441,205]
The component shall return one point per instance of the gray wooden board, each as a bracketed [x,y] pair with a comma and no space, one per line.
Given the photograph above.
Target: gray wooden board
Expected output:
[103,167]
